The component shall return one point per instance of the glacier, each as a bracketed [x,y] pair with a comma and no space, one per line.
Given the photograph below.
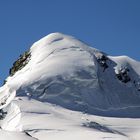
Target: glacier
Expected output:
[70,90]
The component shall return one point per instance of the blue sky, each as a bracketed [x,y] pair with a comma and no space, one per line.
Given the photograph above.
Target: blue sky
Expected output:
[112,26]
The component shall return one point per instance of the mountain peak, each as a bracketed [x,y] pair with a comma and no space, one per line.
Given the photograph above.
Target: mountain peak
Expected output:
[52,37]
[62,87]
[62,70]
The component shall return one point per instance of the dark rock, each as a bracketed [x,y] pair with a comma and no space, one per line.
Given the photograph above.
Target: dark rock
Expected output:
[102,60]
[20,63]
[2,114]
[123,75]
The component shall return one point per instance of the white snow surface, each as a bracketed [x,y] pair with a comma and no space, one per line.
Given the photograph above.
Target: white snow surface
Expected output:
[65,93]
[44,121]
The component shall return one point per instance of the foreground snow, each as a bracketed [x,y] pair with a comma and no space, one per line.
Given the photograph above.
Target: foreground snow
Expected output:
[44,121]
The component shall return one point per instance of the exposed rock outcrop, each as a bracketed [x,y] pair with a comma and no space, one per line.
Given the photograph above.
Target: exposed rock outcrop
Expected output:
[20,63]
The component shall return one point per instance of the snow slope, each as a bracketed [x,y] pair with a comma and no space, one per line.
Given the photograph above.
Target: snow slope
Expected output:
[63,88]
[65,71]
[43,121]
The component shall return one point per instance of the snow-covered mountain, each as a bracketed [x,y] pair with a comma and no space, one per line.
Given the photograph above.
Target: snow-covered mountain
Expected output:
[61,86]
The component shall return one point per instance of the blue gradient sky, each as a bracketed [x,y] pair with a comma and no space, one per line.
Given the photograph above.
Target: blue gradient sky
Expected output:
[112,26]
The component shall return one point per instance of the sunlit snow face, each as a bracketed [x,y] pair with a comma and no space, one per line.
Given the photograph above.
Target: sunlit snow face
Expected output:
[64,71]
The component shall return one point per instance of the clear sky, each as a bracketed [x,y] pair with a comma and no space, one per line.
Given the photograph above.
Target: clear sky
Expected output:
[112,26]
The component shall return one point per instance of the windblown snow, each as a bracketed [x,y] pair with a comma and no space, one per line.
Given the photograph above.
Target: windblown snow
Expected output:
[69,90]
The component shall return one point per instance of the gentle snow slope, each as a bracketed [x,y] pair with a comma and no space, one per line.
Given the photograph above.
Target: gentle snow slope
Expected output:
[45,121]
